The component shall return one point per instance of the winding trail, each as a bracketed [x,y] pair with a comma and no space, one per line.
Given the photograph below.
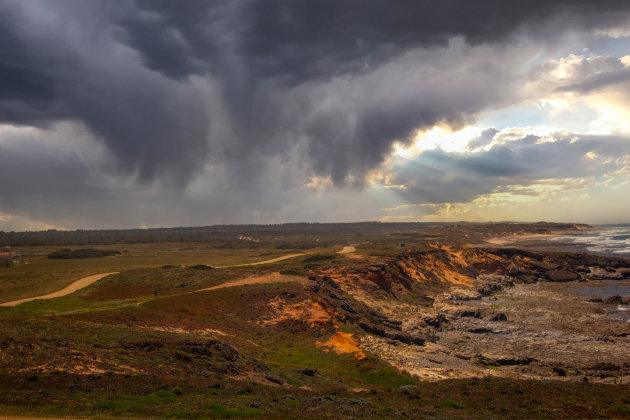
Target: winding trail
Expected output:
[261,279]
[86,281]
[273,260]
[73,287]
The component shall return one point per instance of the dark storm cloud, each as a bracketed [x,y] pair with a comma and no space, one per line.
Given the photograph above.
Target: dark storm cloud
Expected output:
[437,176]
[171,86]
[303,40]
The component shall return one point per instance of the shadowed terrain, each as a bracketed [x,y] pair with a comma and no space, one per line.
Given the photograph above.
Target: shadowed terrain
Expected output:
[406,322]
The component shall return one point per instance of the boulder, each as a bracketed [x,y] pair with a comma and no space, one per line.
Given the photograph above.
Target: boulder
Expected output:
[499,316]
[561,275]
[435,321]
[308,371]
[613,300]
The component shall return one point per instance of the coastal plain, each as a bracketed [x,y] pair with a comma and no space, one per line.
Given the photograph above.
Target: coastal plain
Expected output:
[313,321]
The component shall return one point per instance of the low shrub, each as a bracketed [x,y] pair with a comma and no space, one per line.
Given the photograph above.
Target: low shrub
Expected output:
[68,254]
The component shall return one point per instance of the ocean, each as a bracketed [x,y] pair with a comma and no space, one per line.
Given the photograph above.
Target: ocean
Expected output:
[610,240]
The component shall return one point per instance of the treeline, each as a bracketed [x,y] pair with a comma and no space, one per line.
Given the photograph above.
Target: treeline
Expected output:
[289,235]
[71,254]
[217,233]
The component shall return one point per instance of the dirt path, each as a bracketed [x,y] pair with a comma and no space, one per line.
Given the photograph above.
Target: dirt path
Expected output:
[79,284]
[273,260]
[86,281]
[259,279]
[349,251]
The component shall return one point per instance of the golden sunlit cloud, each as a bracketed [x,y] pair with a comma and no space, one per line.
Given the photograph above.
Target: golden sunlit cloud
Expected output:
[319,183]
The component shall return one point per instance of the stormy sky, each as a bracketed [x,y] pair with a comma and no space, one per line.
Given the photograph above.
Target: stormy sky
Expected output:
[126,113]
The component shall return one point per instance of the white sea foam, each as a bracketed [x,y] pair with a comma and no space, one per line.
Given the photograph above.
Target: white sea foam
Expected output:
[606,240]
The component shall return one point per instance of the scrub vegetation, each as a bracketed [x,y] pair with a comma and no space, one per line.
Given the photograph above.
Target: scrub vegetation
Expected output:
[148,342]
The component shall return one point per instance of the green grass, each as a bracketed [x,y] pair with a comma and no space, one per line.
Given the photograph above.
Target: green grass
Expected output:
[41,275]
[452,404]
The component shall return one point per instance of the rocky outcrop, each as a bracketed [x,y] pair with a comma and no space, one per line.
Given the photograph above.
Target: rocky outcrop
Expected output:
[561,275]
[488,270]
[394,335]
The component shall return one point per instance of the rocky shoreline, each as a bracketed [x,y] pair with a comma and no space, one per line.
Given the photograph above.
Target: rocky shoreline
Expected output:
[508,313]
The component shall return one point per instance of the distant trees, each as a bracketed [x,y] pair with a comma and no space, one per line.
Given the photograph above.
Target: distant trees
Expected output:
[285,236]
[68,254]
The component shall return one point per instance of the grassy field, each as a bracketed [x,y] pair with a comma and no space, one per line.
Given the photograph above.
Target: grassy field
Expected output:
[39,275]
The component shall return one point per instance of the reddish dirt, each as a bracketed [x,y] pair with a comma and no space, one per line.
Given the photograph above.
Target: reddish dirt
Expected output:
[343,343]
[315,314]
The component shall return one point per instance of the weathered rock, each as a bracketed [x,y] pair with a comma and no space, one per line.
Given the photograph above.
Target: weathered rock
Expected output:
[561,275]
[348,308]
[468,313]
[275,379]
[605,366]
[545,265]
[481,330]
[504,361]
[436,321]
[393,324]
[499,316]
[528,278]
[595,300]
[559,371]
[613,300]
[394,335]
[308,371]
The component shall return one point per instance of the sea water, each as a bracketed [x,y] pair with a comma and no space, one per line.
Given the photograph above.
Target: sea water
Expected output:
[607,240]
[605,289]
[611,240]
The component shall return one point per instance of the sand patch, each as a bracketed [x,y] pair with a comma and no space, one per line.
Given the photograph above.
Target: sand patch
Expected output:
[343,343]
[79,284]
[259,279]
[273,260]
[349,251]
[510,239]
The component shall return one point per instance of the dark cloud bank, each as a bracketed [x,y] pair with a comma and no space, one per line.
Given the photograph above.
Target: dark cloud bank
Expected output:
[239,88]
